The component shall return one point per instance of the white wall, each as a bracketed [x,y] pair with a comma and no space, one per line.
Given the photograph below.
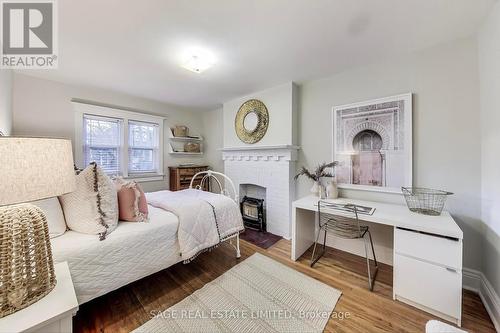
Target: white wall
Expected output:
[446,130]
[5,101]
[43,108]
[212,129]
[489,73]
[281,105]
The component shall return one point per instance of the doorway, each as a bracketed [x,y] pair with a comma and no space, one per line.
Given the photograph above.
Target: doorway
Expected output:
[367,162]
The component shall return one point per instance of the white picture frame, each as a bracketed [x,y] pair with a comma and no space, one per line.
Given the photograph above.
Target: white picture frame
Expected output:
[385,124]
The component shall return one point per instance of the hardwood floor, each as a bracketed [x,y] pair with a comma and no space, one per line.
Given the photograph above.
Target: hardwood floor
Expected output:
[127,308]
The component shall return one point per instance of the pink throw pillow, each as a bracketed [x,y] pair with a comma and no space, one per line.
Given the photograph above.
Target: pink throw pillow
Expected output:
[132,204]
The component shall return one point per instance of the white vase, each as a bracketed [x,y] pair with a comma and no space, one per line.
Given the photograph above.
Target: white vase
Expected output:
[332,191]
[315,189]
[322,192]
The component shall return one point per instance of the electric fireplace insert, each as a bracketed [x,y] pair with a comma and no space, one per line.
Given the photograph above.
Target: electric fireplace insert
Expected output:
[252,211]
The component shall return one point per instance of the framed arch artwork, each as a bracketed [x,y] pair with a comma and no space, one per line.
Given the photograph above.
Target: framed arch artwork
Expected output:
[372,141]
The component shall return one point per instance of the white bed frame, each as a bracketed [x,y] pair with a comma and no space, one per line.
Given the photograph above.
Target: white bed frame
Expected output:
[208,175]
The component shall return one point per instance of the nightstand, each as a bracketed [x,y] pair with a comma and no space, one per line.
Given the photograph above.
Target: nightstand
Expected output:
[53,313]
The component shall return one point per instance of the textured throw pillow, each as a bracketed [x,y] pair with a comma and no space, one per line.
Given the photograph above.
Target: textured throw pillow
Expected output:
[93,207]
[54,214]
[132,203]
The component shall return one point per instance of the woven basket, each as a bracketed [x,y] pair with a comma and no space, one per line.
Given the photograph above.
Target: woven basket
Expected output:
[181,131]
[192,147]
[26,266]
[425,200]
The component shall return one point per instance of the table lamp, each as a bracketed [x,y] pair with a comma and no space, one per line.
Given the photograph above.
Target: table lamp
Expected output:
[30,169]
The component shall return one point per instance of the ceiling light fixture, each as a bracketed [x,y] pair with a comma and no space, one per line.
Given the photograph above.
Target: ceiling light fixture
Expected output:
[198,62]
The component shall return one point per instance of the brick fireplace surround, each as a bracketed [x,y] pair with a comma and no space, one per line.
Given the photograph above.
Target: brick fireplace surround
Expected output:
[273,168]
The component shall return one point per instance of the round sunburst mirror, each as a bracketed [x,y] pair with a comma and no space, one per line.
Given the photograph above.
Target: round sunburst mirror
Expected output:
[251,121]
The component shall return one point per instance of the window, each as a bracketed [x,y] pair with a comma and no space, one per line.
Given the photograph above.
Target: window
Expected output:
[102,138]
[121,142]
[143,147]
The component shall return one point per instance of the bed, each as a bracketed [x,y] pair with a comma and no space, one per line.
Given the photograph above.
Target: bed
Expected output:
[133,251]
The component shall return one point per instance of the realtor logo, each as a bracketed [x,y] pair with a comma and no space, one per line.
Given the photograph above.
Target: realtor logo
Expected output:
[28,34]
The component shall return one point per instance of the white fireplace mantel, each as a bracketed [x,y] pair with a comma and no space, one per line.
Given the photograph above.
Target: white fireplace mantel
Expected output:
[260,153]
[260,148]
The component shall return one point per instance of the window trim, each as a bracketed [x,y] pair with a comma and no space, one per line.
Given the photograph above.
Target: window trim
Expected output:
[82,109]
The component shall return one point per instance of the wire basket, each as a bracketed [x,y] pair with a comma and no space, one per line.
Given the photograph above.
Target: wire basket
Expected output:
[425,200]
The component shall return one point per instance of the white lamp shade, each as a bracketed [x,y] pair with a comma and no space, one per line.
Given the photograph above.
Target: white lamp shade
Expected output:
[34,169]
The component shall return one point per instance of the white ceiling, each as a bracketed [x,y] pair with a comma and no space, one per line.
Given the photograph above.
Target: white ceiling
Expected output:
[135,46]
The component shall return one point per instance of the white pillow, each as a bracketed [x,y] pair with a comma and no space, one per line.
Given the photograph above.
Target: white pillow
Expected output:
[54,214]
[93,207]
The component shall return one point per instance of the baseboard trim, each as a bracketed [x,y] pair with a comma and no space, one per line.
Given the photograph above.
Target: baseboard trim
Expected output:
[476,281]
[471,279]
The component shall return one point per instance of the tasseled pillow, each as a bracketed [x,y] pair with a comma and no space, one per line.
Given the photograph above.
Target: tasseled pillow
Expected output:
[93,207]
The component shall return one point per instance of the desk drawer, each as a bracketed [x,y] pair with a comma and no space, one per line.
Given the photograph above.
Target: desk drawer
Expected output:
[435,287]
[439,250]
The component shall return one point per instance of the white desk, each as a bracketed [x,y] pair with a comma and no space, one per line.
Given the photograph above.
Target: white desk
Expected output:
[53,313]
[427,252]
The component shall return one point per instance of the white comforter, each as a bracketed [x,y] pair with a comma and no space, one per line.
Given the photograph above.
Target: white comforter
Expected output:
[134,250]
[205,219]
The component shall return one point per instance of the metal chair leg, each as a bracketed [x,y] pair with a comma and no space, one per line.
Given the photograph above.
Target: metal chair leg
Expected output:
[373,249]
[314,260]
[370,286]
[371,280]
[324,240]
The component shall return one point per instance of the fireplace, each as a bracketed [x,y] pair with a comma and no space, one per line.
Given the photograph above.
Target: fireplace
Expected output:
[265,172]
[252,211]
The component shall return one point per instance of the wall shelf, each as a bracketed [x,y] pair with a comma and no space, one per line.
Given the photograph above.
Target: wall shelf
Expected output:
[184,153]
[181,138]
[171,151]
[177,144]
[184,138]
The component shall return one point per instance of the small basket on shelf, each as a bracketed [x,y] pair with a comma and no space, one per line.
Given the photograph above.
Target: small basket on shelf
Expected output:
[180,131]
[425,200]
[192,147]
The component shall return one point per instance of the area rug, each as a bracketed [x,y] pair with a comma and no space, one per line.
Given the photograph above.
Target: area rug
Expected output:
[257,295]
[262,239]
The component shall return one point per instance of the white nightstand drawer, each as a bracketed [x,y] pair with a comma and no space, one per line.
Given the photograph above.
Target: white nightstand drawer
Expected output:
[436,249]
[435,287]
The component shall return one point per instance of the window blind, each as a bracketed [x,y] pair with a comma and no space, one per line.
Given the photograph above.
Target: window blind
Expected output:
[102,142]
[143,145]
